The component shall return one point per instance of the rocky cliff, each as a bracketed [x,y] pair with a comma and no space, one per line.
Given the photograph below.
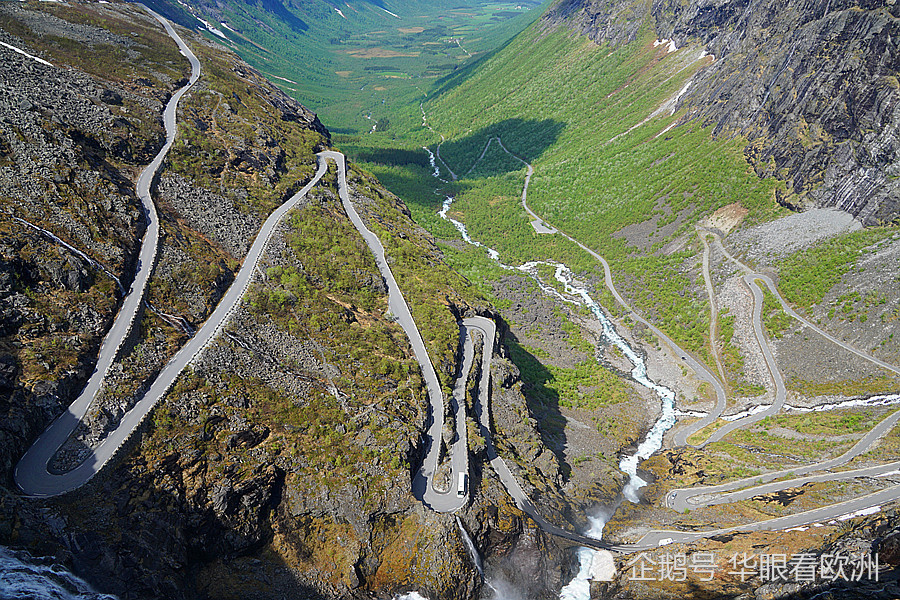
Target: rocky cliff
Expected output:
[812,85]
[280,463]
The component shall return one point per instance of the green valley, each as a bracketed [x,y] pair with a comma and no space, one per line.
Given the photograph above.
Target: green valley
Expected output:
[449,299]
[355,62]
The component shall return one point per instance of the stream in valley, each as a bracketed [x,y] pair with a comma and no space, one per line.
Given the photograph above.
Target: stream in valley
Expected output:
[574,293]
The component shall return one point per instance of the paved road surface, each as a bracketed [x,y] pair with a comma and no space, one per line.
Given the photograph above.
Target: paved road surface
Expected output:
[774,371]
[789,310]
[654,538]
[820,515]
[31,474]
[713,306]
[422,482]
[702,373]
[487,329]
[684,498]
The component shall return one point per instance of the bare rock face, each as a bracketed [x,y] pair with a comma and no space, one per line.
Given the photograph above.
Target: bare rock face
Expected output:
[812,85]
[889,550]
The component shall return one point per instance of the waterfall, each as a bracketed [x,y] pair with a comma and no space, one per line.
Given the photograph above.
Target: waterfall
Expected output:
[470,546]
[23,577]
[592,563]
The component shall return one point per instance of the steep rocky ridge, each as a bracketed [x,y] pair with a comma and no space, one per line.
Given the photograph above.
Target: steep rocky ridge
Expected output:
[812,86]
[281,463]
[72,144]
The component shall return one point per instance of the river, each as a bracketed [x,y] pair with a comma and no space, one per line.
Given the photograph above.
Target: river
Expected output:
[579,587]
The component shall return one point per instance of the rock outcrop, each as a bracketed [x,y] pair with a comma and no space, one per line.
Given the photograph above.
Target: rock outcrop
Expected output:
[280,463]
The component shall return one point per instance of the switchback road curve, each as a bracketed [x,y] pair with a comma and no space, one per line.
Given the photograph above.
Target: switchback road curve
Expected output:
[703,496]
[31,473]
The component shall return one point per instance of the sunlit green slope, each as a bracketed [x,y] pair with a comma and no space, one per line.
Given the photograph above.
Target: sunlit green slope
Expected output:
[612,166]
[353,61]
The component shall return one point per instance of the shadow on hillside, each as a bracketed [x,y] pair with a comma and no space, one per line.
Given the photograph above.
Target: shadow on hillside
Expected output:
[393,156]
[278,9]
[542,401]
[526,138]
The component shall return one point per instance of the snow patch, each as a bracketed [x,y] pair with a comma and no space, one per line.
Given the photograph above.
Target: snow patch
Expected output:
[284,79]
[209,27]
[23,53]
[670,45]
[860,513]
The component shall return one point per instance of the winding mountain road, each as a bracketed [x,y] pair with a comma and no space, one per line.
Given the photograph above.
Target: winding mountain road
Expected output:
[423,482]
[31,473]
[488,331]
[732,492]
[790,311]
[713,306]
[771,365]
[33,477]
[703,374]
[686,498]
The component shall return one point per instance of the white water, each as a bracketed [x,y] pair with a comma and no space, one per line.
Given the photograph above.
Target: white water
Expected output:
[883,400]
[747,413]
[21,577]
[436,173]
[464,232]
[579,587]
[654,438]
[470,546]
[694,414]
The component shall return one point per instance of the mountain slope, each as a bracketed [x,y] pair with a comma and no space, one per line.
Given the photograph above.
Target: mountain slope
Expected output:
[812,87]
[346,60]
[632,159]
[281,462]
